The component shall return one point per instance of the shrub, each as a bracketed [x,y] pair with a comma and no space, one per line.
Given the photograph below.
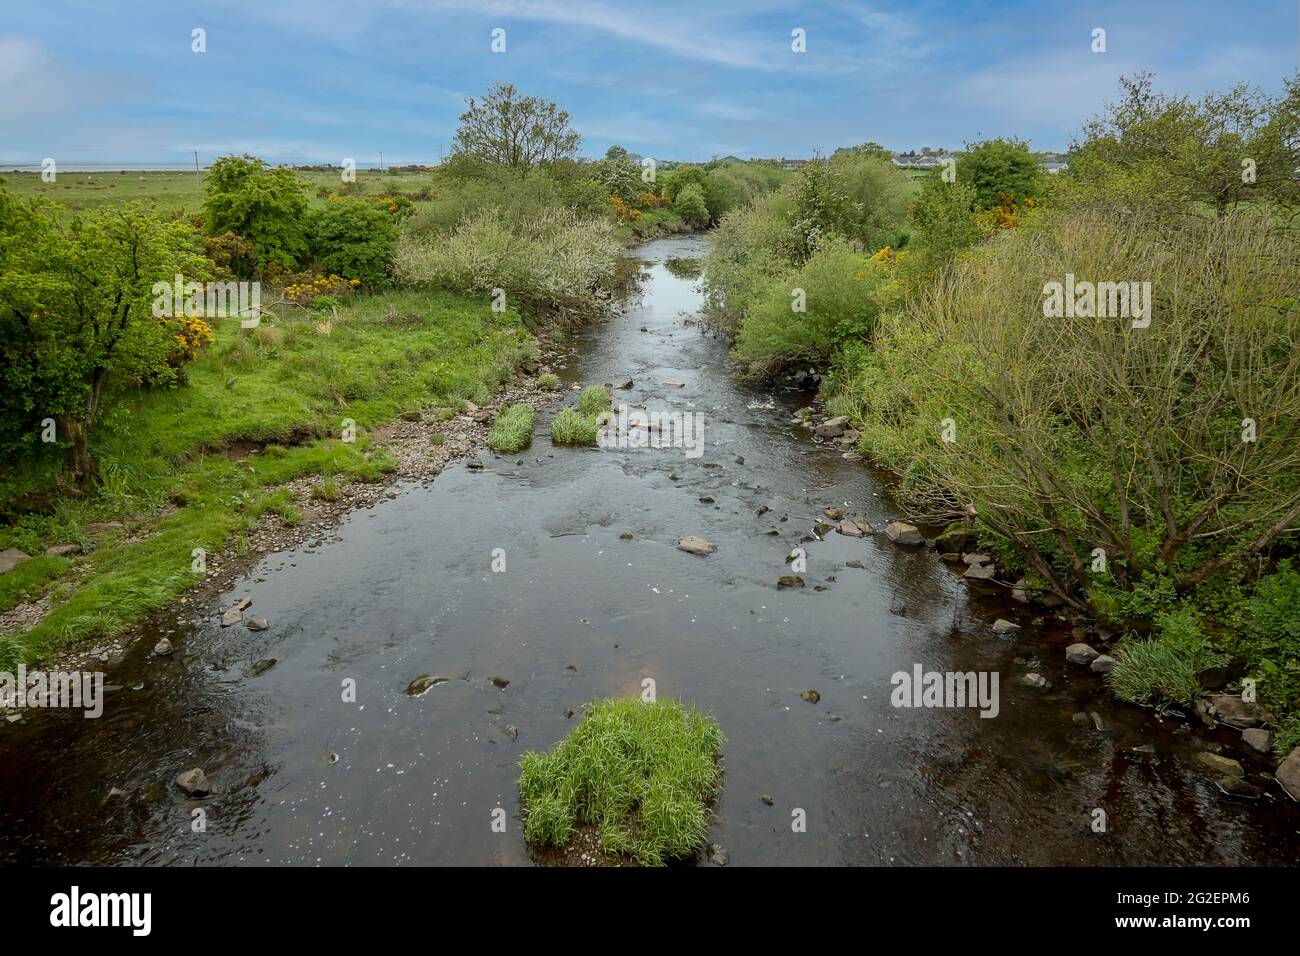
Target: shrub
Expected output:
[1270,641]
[267,207]
[1085,433]
[690,205]
[557,259]
[571,427]
[998,168]
[513,429]
[352,238]
[643,773]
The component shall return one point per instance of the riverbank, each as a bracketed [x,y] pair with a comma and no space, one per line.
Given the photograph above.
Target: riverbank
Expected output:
[274,433]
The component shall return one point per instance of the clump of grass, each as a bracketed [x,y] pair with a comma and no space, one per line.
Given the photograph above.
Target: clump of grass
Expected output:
[327,489]
[644,773]
[548,381]
[11,653]
[571,427]
[513,429]
[593,400]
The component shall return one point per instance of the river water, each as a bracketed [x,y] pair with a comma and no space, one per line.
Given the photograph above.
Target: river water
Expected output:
[407,588]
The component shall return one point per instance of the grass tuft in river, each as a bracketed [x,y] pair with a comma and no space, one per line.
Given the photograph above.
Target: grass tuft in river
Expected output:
[513,429]
[643,773]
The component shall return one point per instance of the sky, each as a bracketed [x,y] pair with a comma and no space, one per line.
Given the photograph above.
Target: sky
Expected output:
[304,81]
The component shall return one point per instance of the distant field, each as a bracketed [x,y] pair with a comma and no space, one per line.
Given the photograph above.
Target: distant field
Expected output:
[85,192]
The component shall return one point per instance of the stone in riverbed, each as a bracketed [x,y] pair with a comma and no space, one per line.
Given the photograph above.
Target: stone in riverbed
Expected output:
[260,667]
[854,563]
[194,782]
[1081,654]
[257,624]
[1257,739]
[235,613]
[811,696]
[163,648]
[1103,664]
[693,544]
[900,532]
[832,427]
[1235,712]
[1236,787]
[980,572]
[1003,626]
[1036,681]
[422,683]
[1288,775]
[789,581]
[855,527]
[1221,766]
[718,854]
[955,537]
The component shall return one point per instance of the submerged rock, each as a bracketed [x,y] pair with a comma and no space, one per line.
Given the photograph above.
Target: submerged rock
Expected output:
[163,648]
[260,667]
[811,696]
[194,782]
[694,544]
[1003,626]
[422,683]
[1222,766]
[789,581]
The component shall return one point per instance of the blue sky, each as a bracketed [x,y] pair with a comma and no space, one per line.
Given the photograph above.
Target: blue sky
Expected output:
[319,80]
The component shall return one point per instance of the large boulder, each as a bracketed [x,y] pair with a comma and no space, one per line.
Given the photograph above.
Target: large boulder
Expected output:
[1235,712]
[955,537]
[832,427]
[1219,766]
[1081,654]
[900,532]
[1288,775]
[10,558]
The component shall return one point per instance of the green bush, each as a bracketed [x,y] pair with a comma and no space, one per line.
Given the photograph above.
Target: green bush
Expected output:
[1270,640]
[1000,167]
[513,429]
[690,205]
[557,259]
[643,773]
[352,238]
[265,206]
[548,381]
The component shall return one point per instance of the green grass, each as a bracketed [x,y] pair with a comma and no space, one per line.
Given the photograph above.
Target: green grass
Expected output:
[644,773]
[571,427]
[87,192]
[513,429]
[593,400]
[288,389]
[548,381]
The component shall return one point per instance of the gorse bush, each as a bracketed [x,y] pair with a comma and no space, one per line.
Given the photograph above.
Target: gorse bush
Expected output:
[557,259]
[643,773]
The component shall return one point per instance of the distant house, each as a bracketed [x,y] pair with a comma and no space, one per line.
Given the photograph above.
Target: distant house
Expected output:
[917,161]
[1053,162]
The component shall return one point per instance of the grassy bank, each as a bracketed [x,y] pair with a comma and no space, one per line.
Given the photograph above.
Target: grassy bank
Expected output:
[174,465]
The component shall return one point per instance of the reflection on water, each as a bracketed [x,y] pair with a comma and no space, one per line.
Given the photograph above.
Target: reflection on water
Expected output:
[303,776]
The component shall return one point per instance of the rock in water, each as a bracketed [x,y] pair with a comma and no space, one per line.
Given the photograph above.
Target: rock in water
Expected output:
[422,683]
[1103,664]
[1288,775]
[194,782]
[980,572]
[260,668]
[832,427]
[163,648]
[693,544]
[811,696]
[718,854]
[1257,739]
[789,581]
[1221,766]
[900,532]
[1003,626]
[1080,654]
[257,624]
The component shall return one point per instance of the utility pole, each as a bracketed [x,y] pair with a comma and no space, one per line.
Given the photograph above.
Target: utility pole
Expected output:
[196,161]
[381,160]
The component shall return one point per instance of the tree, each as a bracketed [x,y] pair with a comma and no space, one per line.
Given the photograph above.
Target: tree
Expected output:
[1000,167]
[267,206]
[1155,150]
[76,320]
[616,152]
[691,207]
[508,129]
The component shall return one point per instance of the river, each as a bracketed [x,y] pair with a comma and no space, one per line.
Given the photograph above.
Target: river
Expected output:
[304,777]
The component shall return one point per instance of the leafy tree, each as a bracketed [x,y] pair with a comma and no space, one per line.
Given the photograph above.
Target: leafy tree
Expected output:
[76,322]
[691,207]
[944,218]
[1155,150]
[266,206]
[508,129]
[620,176]
[616,152]
[1000,167]
[353,238]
